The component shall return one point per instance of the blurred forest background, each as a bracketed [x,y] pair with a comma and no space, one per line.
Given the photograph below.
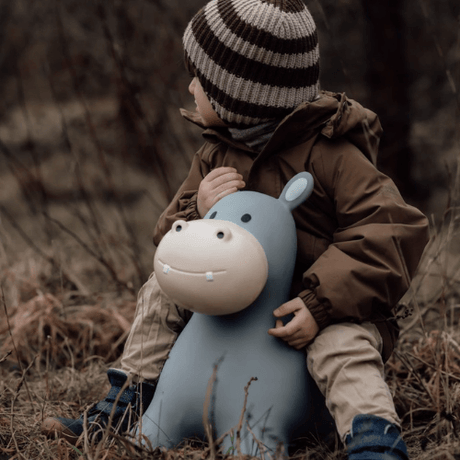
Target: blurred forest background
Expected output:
[92,149]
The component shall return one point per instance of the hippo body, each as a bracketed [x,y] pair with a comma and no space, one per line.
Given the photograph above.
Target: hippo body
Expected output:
[284,403]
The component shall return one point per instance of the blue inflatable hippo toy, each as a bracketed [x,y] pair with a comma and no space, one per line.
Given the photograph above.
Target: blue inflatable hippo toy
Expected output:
[233,268]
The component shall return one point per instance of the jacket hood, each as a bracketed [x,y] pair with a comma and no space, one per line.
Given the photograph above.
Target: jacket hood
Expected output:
[332,115]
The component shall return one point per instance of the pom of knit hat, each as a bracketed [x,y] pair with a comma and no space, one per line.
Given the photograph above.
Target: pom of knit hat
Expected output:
[256,59]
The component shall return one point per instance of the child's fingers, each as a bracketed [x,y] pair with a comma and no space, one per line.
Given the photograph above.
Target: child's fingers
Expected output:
[223,194]
[299,344]
[278,325]
[222,170]
[277,332]
[283,332]
[224,179]
[286,309]
[300,330]
[295,338]
[218,183]
[232,185]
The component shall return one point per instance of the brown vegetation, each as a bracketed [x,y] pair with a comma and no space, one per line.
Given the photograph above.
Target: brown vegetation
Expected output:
[92,149]
[64,346]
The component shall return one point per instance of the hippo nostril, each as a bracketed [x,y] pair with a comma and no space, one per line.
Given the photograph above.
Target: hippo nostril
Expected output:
[223,233]
[179,225]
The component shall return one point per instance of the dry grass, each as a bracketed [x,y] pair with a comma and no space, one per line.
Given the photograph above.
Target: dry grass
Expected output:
[56,348]
[60,334]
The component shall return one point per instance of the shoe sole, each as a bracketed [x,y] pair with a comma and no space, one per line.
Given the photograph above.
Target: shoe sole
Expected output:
[52,427]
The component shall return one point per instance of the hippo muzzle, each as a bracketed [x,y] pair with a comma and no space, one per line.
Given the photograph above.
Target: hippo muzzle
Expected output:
[213,267]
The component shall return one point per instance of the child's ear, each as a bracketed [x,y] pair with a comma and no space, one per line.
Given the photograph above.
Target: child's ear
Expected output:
[297,190]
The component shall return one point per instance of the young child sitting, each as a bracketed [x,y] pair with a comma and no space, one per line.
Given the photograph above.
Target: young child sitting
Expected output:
[255,79]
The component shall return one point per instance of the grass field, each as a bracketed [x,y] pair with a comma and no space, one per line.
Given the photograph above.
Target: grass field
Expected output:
[65,342]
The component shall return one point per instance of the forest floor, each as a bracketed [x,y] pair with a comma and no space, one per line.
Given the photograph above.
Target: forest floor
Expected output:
[70,269]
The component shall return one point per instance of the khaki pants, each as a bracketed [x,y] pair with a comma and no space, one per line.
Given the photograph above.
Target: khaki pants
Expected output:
[157,323]
[346,363]
[344,359]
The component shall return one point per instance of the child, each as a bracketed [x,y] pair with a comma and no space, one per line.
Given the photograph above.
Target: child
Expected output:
[255,70]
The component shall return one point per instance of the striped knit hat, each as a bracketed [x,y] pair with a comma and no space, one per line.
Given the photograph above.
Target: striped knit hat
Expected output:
[256,59]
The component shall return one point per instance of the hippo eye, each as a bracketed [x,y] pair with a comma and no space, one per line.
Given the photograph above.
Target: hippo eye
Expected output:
[246,218]
[178,228]
[213,215]
[220,235]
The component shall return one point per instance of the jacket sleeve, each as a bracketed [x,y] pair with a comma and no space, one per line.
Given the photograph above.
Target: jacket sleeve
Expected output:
[184,205]
[377,245]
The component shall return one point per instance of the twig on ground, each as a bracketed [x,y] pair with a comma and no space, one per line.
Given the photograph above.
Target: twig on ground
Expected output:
[85,433]
[449,374]
[243,410]
[206,423]
[411,369]
[260,444]
[16,351]
[13,401]
[8,353]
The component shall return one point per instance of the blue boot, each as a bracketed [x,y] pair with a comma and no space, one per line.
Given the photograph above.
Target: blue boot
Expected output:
[132,402]
[374,438]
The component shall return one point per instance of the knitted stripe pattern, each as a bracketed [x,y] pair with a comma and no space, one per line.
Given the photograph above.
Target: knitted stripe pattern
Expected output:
[256,59]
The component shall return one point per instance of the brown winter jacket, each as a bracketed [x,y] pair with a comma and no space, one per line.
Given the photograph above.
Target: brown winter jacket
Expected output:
[359,243]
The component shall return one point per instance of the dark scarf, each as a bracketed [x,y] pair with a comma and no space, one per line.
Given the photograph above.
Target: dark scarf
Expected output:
[255,137]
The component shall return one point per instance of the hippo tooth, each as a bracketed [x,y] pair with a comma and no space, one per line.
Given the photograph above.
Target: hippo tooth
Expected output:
[166,269]
[209,276]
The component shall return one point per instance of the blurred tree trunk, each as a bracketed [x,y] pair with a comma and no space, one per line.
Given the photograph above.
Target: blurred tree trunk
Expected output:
[388,83]
[12,46]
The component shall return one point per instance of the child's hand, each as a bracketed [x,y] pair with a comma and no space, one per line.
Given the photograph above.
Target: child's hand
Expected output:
[218,183]
[301,330]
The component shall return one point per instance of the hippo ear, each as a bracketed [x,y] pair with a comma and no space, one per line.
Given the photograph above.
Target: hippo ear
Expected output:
[297,190]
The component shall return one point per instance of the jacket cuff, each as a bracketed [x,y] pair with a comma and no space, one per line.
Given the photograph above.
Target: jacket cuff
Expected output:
[191,211]
[317,309]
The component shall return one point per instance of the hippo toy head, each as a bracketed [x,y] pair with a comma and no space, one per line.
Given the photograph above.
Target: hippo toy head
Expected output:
[220,264]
